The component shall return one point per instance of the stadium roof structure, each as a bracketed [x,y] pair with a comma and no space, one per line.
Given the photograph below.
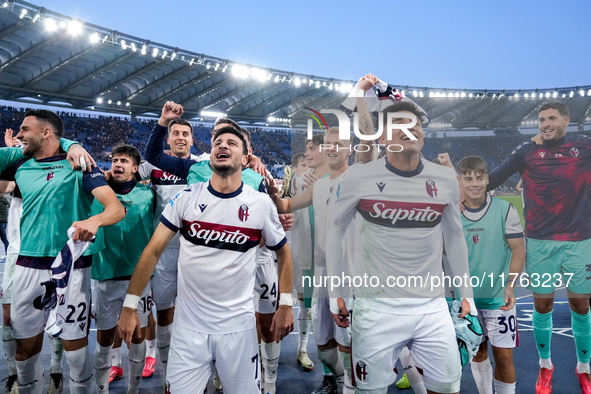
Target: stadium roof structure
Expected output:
[52,59]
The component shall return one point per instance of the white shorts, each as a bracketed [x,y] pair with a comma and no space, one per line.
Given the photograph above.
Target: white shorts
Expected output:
[379,337]
[28,322]
[7,278]
[108,300]
[325,328]
[164,286]
[499,327]
[266,288]
[193,355]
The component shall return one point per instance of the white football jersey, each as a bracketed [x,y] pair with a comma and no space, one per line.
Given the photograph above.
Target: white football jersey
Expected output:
[400,217]
[220,234]
[13,227]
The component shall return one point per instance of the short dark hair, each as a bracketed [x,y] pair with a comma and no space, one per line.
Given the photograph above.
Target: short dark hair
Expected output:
[316,140]
[231,130]
[229,121]
[182,122]
[470,164]
[403,106]
[127,150]
[50,117]
[557,105]
[295,160]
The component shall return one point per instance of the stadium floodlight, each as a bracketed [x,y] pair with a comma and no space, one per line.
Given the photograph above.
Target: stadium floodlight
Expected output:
[258,74]
[99,100]
[317,84]
[330,86]
[297,82]
[50,25]
[463,94]
[217,65]
[133,47]
[74,27]
[191,61]
[155,52]
[118,102]
[414,93]
[276,79]
[110,102]
[582,92]
[337,87]
[240,71]
[174,54]
[36,17]
[271,119]
[224,68]
[304,80]
[213,114]
[123,44]
[283,79]
[94,38]
[450,95]
[62,24]
[470,95]
[572,93]
[164,54]
[23,13]
[127,104]
[144,49]
[208,66]
[541,95]
[555,94]
[5,5]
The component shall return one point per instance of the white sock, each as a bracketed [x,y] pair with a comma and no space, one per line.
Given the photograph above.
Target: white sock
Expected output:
[304,323]
[504,388]
[151,348]
[163,334]
[30,375]
[483,376]
[57,353]
[81,370]
[330,358]
[9,345]
[102,367]
[116,356]
[546,363]
[345,359]
[410,369]
[137,361]
[582,367]
[270,357]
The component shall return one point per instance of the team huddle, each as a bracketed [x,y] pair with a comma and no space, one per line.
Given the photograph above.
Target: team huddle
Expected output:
[218,248]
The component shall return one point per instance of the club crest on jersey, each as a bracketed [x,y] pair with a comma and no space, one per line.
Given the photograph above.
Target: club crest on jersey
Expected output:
[475,238]
[50,175]
[361,370]
[243,213]
[431,189]
[542,153]
[381,186]
[202,207]
[574,152]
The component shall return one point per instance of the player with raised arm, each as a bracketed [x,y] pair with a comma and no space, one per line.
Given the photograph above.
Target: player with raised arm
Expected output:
[48,186]
[221,223]
[113,266]
[556,177]
[164,282]
[402,209]
[494,236]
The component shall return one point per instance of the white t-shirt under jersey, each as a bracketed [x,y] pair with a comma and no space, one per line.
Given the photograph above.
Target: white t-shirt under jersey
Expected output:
[219,237]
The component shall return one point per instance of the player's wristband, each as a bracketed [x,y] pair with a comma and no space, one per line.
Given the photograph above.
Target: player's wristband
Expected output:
[285,299]
[131,301]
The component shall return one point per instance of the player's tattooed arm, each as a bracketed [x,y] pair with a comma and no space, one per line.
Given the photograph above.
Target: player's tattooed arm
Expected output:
[515,266]
[113,213]
[283,321]
[129,322]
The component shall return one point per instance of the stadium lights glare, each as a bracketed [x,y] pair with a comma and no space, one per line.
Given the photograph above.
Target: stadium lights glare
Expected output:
[110,102]
[582,92]
[36,17]
[225,67]
[105,38]
[23,13]
[5,5]
[127,104]
[258,74]
[208,66]
[297,81]
[155,52]
[240,71]
[213,114]
[50,25]
[123,44]
[118,102]
[133,48]
[99,100]
[304,80]
[144,49]
[317,84]
[94,38]
[62,24]
[276,79]
[572,93]
[217,65]
[164,54]
[191,61]
[330,87]
[174,54]
[74,28]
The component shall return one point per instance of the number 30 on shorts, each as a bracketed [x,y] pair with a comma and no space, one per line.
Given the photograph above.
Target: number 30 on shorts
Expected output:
[507,324]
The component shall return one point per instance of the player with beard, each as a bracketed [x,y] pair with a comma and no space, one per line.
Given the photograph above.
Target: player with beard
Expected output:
[221,223]
[556,176]
[401,212]
[54,198]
